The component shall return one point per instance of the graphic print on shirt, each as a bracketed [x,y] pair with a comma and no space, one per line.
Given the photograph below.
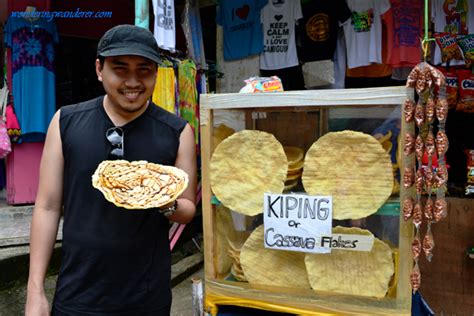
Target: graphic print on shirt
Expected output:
[165,19]
[240,15]
[406,21]
[456,16]
[32,47]
[242,12]
[362,21]
[277,36]
[317,27]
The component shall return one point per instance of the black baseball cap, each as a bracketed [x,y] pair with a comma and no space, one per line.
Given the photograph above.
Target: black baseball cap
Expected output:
[129,39]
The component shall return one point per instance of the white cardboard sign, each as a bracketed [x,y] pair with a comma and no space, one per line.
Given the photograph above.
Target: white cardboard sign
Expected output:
[297,222]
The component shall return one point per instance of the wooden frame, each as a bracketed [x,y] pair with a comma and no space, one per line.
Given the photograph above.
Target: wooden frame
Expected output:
[293,101]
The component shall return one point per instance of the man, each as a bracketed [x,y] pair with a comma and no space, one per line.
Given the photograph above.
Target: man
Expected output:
[114,261]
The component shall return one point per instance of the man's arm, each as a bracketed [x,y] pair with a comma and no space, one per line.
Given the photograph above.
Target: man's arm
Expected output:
[186,160]
[46,214]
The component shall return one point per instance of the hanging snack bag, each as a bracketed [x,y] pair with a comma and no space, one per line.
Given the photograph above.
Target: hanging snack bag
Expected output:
[466,91]
[470,171]
[262,84]
[449,47]
[466,43]
[470,165]
[451,86]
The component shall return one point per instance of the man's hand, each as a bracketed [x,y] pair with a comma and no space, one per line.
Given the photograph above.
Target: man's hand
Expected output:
[36,304]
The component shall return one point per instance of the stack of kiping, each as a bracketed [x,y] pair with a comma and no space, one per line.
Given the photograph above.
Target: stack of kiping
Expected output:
[234,252]
[295,156]
[386,142]
[229,241]
[221,132]
[224,230]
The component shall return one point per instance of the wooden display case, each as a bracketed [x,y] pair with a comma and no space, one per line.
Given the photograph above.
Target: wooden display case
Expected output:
[298,118]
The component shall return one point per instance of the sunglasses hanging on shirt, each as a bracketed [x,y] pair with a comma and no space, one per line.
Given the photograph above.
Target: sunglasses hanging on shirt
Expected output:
[115,137]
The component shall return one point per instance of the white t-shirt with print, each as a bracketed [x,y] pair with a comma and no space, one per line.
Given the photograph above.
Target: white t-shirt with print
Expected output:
[164,29]
[279,44]
[363,32]
[439,18]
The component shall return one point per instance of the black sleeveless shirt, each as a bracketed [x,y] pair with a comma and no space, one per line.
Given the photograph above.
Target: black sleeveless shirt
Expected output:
[114,261]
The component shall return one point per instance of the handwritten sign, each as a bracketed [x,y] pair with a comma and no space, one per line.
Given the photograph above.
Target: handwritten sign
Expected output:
[297,222]
[348,242]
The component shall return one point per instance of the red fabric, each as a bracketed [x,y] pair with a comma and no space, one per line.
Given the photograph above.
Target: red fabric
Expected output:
[23,173]
[404,27]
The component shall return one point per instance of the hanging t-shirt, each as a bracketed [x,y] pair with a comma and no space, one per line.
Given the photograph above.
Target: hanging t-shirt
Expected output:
[279,46]
[164,29]
[373,70]
[192,29]
[319,26]
[240,20]
[404,28]
[363,32]
[339,61]
[33,82]
[452,16]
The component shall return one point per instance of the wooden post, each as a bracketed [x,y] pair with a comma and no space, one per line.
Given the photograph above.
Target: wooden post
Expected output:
[207,209]
[197,297]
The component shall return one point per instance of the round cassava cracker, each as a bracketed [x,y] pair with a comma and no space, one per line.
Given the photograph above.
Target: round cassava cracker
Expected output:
[272,267]
[353,168]
[236,271]
[352,272]
[221,132]
[139,184]
[246,165]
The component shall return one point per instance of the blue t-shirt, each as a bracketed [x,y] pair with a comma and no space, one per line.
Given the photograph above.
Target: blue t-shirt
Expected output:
[33,82]
[240,20]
